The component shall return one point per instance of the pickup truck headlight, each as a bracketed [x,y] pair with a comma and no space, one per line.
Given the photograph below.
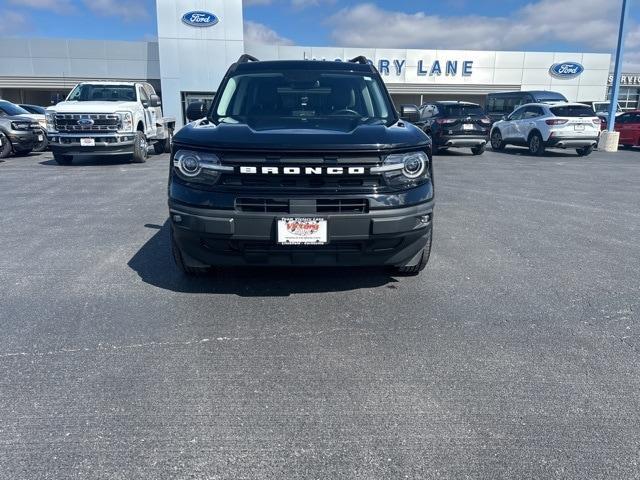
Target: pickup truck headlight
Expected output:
[199,167]
[50,119]
[126,120]
[20,125]
[405,169]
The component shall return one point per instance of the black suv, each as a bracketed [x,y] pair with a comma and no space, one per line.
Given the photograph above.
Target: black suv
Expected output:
[18,135]
[453,124]
[301,163]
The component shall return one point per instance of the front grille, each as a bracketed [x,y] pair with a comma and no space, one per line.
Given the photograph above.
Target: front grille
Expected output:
[358,205]
[307,182]
[73,122]
[263,205]
[324,205]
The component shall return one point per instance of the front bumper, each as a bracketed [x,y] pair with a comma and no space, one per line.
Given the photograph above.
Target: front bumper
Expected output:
[105,144]
[391,236]
[22,140]
[571,142]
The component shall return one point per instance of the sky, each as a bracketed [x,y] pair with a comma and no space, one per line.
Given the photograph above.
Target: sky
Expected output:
[540,25]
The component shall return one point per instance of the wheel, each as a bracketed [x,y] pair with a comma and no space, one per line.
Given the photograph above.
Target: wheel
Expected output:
[422,262]
[140,148]
[158,147]
[583,152]
[179,260]
[63,159]
[496,140]
[536,145]
[42,145]
[5,146]
[167,142]
[479,150]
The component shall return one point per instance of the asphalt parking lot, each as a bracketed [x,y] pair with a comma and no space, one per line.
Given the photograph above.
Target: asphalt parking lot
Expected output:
[516,354]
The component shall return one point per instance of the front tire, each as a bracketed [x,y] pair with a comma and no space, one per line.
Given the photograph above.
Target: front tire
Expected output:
[496,141]
[164,146]
[536,145]
[422,262]
[140,148]
[62,159]
[185,269]
[479,150]
[583,152]
[5,147]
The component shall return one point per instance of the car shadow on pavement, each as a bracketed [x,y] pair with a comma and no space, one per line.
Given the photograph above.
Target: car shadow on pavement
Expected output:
[154,264]
[547,154]
[96,161]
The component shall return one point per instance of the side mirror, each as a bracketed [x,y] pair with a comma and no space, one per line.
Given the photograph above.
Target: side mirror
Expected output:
[409,113]
[196,111]
[155,101]
[505,117]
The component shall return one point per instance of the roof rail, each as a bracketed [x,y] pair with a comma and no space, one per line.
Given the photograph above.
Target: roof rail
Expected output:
[359,59]
[245,58]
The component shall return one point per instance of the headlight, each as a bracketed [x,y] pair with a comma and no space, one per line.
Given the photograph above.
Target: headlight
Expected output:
[404,169]
[50,118]
[19,126]
[200,167]
[127,121]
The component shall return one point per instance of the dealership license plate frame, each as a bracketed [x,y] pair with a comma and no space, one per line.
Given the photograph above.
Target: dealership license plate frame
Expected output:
[40,138]
[87,142]
[579,127]
[467,126]
[312,231]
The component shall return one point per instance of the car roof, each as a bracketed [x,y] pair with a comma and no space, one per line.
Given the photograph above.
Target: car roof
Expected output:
[554,104]
[453,102]
[276,65]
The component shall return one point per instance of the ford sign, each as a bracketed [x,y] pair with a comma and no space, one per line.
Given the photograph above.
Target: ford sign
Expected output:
[566,70]
[199,19]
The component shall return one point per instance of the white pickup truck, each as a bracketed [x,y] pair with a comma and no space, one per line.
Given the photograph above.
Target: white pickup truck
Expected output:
[108,118]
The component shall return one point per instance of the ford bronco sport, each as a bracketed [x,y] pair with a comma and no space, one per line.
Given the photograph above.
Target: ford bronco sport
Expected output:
[301,163]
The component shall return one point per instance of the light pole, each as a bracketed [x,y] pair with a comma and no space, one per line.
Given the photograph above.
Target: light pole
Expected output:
[615,86]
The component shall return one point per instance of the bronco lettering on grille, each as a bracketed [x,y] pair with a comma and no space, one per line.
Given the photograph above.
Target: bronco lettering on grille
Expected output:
[303,170]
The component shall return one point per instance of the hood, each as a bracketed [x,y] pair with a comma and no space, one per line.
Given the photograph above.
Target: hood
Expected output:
[92,107]
[341,136]
[32,116]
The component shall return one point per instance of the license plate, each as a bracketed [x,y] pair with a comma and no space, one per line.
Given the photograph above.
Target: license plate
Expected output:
[40,138]
[578,127]
[302,231]
[88,142]
[467,126]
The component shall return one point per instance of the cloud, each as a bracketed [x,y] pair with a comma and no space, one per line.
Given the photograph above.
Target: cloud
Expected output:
[251,3]
[128,11]
[255,32]
[58,6]
[582,23]
[12,22]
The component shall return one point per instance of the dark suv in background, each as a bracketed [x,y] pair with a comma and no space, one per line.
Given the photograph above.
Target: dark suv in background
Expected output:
[301,163]
[453,124]
[502,104]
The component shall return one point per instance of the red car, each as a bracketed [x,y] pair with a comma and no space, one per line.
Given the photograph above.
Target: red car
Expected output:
[628,124]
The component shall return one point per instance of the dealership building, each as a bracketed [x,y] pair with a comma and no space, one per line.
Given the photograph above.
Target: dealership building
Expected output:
[199,39]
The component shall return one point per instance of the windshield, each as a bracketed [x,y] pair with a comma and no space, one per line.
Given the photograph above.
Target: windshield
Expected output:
[573,111]
[460,110]
[103,93]
[303,99]
[11,109]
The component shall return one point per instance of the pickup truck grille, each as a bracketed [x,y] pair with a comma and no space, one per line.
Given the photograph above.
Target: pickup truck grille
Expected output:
[87,122]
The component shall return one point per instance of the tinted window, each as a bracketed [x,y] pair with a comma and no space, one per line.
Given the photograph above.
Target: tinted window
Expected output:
[297,97]
[460,110]
[573,111]
[104,93]
[517,115]
[550,97]
[10,109]
[497,105]
[532,112]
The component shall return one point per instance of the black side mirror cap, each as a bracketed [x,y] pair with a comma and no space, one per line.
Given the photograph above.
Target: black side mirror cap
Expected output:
[409,113]
[196,111]
[155,101]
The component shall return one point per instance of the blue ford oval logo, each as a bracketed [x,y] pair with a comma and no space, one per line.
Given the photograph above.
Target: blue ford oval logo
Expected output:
[566,69]
[200,19]
[85,122]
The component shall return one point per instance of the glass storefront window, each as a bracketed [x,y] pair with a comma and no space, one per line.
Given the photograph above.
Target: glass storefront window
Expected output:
[628,98]
[191,97]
